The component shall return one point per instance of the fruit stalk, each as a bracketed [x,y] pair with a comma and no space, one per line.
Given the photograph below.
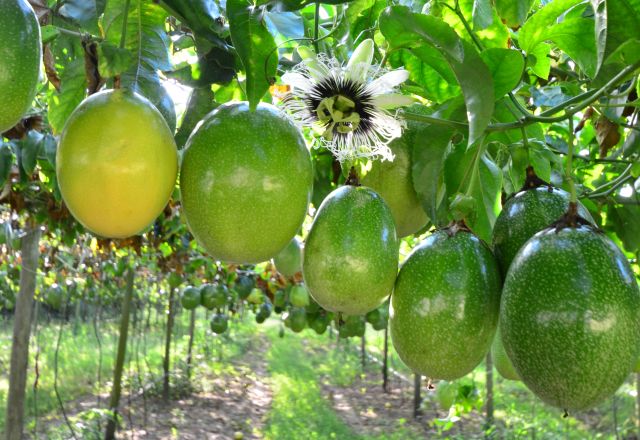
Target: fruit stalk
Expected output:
[569,168]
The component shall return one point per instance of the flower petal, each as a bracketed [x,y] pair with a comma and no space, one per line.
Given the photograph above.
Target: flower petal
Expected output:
[392,100]
[315,66]
[360,61]
[388,81]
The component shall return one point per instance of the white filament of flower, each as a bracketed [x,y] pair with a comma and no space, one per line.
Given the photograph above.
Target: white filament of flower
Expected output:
[347,105]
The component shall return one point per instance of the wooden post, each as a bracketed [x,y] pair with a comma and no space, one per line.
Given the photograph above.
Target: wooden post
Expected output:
[417,398]
[489,405]
[385,361]
[166,363]
[363,352]
[114,401]
[192,327]
[21,333]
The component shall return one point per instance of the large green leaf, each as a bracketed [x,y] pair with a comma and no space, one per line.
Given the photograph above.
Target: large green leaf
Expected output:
[487,27]
[147,40]
[616,22]
[428,68]
[572,32]
[626,224]
[506,68]
[513,12]
[83,12]
[200,103]
[404,29]
[203,17]
[6,161]
[146,36]
[72,92]
[428,152]
[255,46]
[466,168]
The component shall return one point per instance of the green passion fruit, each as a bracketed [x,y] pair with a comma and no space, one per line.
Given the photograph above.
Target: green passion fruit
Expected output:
[445,305]
[190,298]
[21,55]
[351,253]
[289,261]
[245,180]
[569,316]
[500,359]
[392,180]
[524,214]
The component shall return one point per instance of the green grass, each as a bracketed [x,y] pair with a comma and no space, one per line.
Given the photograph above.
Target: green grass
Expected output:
[297,365]
[78,358]
[298,409]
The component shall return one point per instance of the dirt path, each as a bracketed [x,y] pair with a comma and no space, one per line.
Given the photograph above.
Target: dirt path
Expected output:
[369,411]
[231,405]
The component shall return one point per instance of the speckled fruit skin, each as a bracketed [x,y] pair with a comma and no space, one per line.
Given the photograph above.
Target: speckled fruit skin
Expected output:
[569,317]
[21,56]
[351,253]
[445,305]
[392,180]
[246,182]
[116,164]
[524,214]
[289,260]
[500,359]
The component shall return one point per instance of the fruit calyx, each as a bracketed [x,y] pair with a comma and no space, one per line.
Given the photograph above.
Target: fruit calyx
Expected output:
[457,226]
[571,219]
[352,178]
[532,181]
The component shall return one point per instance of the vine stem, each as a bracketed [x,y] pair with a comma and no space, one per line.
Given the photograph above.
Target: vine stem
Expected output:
[591,97]
[316,26]
[125,18]
[569,165]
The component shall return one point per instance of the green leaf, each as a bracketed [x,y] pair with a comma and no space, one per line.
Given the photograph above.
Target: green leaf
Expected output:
[29,149]
[6,162]
[402,28]
[83,12]
[255,46]
[616,22]
[575,36]
[487,194]
[538,60]
[535,29]
[482,14]
[146,36]
[574,33]
[72,92]
[429,70]
[513,12]
[147,83]
[427,167]
[113,60]
[49,149]
[200,103]
[626,225]
[506,68]
[286,24]
[49,33]
[147,39]
[203,17]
